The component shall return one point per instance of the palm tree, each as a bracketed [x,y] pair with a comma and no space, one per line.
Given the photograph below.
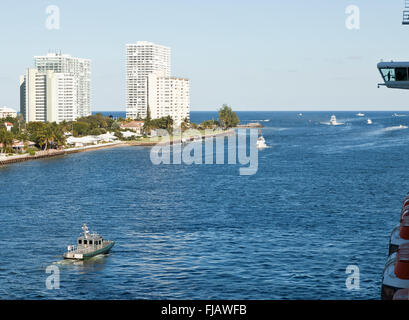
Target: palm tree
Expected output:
[169,123]
[6,139]
[147,125]
[24,138]
[59,137]
[185,124]
[49,136]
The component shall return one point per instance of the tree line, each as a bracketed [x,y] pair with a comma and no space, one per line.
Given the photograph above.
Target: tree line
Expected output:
[53,136]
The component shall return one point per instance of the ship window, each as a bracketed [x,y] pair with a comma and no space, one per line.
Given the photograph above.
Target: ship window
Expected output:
[85,241]
[79,241]
[401,74]
[90,242]
[388,74]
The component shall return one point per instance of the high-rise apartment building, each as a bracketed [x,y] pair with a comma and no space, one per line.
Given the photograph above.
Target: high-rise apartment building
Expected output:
[142,59]
[48,96]
[78,68]
[169,96]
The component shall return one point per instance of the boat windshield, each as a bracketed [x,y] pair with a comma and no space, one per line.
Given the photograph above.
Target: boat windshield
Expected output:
[394,74]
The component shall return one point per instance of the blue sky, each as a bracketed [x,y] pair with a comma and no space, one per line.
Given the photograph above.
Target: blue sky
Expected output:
[253,55]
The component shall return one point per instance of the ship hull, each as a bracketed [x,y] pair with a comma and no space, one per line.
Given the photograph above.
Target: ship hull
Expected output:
[83,256]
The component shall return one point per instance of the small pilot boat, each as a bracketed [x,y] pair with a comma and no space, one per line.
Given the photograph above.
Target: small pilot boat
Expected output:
[88,246]
[369,121]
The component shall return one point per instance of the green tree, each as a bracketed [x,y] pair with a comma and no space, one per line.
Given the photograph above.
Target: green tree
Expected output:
[209,124]
[80,128]
[185,124]
[227,117]
[59,137]
[115,126]
[147,125]
[6,139]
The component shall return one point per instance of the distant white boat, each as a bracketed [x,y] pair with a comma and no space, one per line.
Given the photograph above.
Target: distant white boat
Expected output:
[398,115]
[333,121]
[360,114]
[369,121]
[300,114]
[261,142]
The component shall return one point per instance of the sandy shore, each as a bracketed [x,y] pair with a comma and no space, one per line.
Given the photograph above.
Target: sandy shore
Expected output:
[55,153]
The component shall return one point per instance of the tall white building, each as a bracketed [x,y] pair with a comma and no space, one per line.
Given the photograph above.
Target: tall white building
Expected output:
[169,96]
[48,96]
[142,59]
[78,68]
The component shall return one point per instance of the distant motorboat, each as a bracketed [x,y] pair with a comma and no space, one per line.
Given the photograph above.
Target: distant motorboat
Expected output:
[300,114]
[333,121]
[369,121]
[261,142]
[360,114]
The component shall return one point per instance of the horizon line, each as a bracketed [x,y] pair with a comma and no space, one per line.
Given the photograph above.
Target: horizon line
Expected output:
[283,110]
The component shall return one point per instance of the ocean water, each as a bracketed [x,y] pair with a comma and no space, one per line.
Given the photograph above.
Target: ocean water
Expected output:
[324,197]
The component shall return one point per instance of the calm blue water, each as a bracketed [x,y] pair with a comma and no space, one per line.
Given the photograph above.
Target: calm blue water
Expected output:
[323,198]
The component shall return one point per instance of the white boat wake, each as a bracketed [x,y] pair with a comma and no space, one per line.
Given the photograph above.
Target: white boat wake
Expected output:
[401,127]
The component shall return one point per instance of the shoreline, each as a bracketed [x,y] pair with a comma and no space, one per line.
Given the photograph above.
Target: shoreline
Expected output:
[55,153]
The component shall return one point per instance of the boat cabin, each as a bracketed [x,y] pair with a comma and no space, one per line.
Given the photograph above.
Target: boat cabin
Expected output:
[89,241]
[394,74]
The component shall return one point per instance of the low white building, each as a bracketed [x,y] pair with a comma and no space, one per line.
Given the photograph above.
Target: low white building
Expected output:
[128,134]
[7,112]
[91,140]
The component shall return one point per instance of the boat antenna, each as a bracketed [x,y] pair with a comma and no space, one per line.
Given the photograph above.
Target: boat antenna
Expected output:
[86,231]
